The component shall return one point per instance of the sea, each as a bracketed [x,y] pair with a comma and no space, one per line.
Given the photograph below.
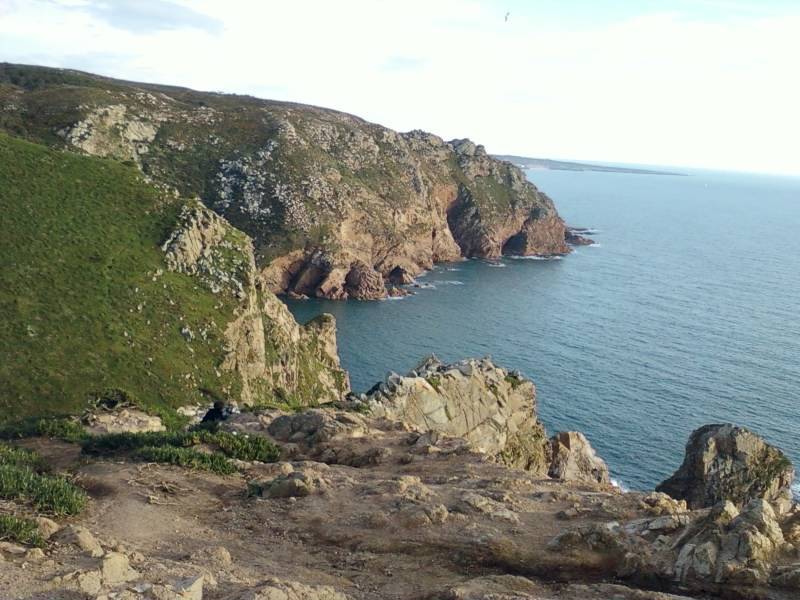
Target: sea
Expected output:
[685,312]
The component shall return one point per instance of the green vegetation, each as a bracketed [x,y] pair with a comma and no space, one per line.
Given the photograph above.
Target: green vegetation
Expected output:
[21,480]
[86,299]
[435,381]
[61,428]
[186,457]
[241,447]
[20,530]
[513,381]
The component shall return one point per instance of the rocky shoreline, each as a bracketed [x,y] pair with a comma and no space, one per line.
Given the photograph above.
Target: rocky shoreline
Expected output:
[440,484]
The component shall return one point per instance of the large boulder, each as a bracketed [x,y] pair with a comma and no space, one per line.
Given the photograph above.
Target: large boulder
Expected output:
[572,458]
[728,547]
[491,408]
[725,462]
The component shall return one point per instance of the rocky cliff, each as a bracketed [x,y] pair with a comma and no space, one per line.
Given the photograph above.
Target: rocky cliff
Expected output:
[336,206]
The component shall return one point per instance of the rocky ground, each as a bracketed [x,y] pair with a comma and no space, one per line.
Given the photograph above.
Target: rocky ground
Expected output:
[363,506]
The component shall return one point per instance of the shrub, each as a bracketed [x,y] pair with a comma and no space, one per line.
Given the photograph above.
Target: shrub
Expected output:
[241,447]
[186,457]
[23,531]
[46,493]
[61,428]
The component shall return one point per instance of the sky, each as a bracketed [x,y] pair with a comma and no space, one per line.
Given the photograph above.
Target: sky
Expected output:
[695,83]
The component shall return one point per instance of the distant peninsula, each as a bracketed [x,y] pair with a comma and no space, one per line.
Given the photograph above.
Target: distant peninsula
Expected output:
[525,162]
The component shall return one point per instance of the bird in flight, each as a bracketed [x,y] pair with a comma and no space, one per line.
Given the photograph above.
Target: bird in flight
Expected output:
[508,14]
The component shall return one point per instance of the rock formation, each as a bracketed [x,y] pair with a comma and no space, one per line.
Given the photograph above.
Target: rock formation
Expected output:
[729,463]
[490,407]
[335,205]
[572,458]
[276,358]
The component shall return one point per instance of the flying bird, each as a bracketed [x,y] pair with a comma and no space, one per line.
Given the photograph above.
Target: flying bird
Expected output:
[508,14]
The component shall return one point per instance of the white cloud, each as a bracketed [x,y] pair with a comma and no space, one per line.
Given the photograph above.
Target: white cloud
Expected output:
[659,89]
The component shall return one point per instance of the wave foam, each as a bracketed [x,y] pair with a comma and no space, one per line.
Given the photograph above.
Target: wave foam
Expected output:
[498,265]
[620,486]
[515,257]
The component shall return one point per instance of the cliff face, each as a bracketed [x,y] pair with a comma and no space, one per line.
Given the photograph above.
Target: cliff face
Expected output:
[276,358]
[336,206]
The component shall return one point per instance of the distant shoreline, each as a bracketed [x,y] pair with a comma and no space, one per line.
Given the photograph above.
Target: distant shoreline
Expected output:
[525,162]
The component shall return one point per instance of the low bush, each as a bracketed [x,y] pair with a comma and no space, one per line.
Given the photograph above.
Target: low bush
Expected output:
[186,457]
[47,493]
[22,531]
[241,447]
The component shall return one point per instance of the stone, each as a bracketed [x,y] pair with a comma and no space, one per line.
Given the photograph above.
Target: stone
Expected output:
[189,589]
[294,485]
[279,589]
[574,459]
[116,569]
[47,527]
[90,582]
[34,554]
[125,420]
[83,538]
[725,462]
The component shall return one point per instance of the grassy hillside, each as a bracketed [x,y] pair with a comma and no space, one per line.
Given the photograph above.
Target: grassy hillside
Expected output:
[87,305]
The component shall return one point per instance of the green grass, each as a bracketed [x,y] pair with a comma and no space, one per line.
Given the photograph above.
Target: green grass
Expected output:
[240,447]
[62,428]
[81,311]
[186,457]
[20,530]
[21,480]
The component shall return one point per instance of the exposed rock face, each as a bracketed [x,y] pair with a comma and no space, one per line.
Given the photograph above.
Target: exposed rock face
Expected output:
[334,205]
[731,547]
[472,399]
[725,462]
[572,458]
[276,357]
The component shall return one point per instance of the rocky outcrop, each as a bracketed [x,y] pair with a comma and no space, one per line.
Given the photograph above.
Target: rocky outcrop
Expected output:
[572,458]
[276,358]
[729,463]
[494,410]
[335,205]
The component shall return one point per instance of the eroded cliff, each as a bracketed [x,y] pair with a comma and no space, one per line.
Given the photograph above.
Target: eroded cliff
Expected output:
[336,206]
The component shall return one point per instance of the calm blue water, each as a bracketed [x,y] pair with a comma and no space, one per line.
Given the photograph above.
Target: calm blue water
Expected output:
[687,312]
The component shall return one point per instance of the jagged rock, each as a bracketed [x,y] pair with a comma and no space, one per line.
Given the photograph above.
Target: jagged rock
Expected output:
[725,462]
[574,459]
[279,589]
[731,547]
[659,503]
[473,399]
